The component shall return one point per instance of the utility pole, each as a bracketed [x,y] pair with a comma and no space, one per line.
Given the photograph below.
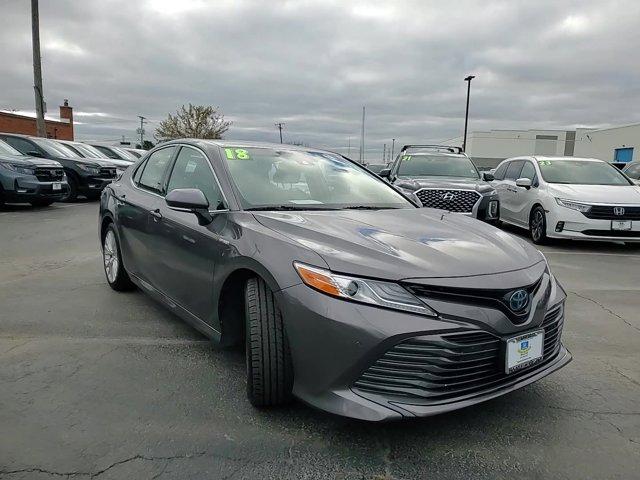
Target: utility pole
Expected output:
[41,130]
[280,125]
[466,115]
[141,130]
[393,148]
[362,138]
[349,148]
[384,153]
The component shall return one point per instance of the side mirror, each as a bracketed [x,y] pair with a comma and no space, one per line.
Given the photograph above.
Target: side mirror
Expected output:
[385,173]
[488,177]
[524,183]
[34,153]
[190,200]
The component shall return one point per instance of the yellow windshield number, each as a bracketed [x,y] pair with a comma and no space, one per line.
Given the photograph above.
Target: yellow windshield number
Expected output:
[237,154]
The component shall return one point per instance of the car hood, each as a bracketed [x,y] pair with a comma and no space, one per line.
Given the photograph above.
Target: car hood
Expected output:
[406,243]
[28,161]
[414,183]
[627,194]
[109,162]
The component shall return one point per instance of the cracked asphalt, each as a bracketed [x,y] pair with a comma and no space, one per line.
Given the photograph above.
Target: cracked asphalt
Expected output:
[96,384]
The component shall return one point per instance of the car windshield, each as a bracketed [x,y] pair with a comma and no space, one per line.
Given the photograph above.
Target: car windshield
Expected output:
[283,179]
[7,149]
[124,154]
[580,172]
[88,151]
[430,165]
[55,149]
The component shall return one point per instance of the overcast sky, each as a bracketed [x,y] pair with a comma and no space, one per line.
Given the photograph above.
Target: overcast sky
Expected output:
[313,64]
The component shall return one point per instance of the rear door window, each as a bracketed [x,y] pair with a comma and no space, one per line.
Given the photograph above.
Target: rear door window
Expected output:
[153,173]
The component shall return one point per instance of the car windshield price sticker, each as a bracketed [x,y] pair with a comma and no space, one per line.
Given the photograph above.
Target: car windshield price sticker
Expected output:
[524,351]
[237,154]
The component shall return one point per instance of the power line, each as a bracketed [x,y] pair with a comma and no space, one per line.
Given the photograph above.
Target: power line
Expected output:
[141,129]
[280,125]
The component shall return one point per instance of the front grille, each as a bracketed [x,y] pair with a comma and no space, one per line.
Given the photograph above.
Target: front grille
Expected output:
[612,233]
[460,201]
[108,172]
[48,174]
[491,298]
[606,212]
[437,369]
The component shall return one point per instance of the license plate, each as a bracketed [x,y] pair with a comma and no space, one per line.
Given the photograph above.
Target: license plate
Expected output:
[620,224]
[524,351]
[56,186]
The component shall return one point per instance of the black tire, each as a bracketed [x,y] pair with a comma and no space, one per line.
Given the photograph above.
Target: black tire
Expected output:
[117,279]
[538,226]
[269,365]
[41,203]
[93,195]
[72,193]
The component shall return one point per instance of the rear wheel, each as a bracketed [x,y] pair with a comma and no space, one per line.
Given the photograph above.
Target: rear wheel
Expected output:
[117,277]
[538,225]
[269,365]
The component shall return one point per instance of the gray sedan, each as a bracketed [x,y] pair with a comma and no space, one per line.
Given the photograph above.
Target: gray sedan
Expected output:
[342,293]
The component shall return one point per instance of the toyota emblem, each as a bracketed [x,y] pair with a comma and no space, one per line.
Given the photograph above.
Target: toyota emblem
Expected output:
[518,300]
[618,211]
[448,196]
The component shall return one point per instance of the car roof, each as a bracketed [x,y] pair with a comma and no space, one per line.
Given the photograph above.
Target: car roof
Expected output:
[245,143]
[552,158]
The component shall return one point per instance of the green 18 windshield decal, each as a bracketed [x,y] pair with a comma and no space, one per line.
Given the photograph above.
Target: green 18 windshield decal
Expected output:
[237,154]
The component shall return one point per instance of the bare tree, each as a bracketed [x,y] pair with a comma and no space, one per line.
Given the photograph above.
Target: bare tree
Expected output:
[194,121]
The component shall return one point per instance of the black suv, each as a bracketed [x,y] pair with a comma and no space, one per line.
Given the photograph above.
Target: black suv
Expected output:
[442,176]
[85,176]
[37,181]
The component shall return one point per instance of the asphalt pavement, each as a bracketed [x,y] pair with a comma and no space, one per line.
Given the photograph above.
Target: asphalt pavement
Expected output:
[99,384]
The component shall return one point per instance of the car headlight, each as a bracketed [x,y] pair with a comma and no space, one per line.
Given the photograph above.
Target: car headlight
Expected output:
[581,207]
[18,168]
[373,292]
[89,168]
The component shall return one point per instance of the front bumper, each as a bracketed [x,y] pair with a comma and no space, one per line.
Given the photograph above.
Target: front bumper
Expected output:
[576,226]
[93,184]
[29,189]
[335,342]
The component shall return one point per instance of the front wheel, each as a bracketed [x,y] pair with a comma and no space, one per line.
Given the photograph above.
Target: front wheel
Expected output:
[269,365]
[72,194]
[41,203]
[538,226]
[117,277]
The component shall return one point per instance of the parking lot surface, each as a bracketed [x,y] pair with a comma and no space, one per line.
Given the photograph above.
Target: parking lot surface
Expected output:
[97,384]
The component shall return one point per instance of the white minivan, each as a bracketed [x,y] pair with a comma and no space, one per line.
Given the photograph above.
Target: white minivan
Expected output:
[568,197]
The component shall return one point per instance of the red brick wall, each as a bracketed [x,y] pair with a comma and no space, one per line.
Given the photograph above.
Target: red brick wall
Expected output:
[63,130]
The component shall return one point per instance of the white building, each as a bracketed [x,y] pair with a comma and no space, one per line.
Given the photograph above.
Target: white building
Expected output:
[488,148]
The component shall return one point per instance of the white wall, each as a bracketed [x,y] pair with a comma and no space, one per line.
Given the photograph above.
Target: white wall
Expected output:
[601,143]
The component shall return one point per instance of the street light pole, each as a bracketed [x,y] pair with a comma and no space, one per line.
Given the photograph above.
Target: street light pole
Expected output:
[393,147]
[280,125]
[466,115]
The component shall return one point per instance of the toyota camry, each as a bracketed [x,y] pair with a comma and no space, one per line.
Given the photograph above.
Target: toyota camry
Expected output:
[342,291]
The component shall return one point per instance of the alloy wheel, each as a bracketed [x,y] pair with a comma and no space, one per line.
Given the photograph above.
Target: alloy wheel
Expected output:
[537,224]
[110,255]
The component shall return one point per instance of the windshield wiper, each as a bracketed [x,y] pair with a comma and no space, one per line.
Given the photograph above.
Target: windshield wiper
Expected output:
[367,207]
[287,207]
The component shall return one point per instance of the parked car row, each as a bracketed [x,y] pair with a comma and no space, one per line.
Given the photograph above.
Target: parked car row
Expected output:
[552,197]
[41,171]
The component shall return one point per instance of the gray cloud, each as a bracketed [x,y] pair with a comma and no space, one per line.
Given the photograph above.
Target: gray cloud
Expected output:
[313,64]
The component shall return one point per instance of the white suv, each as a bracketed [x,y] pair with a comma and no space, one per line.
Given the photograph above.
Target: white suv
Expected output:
[568,197]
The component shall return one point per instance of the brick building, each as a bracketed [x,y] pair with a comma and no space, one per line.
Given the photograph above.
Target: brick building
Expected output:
[61,129]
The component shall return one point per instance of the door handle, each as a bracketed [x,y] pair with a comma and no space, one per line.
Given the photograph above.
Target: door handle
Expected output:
[156,214]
